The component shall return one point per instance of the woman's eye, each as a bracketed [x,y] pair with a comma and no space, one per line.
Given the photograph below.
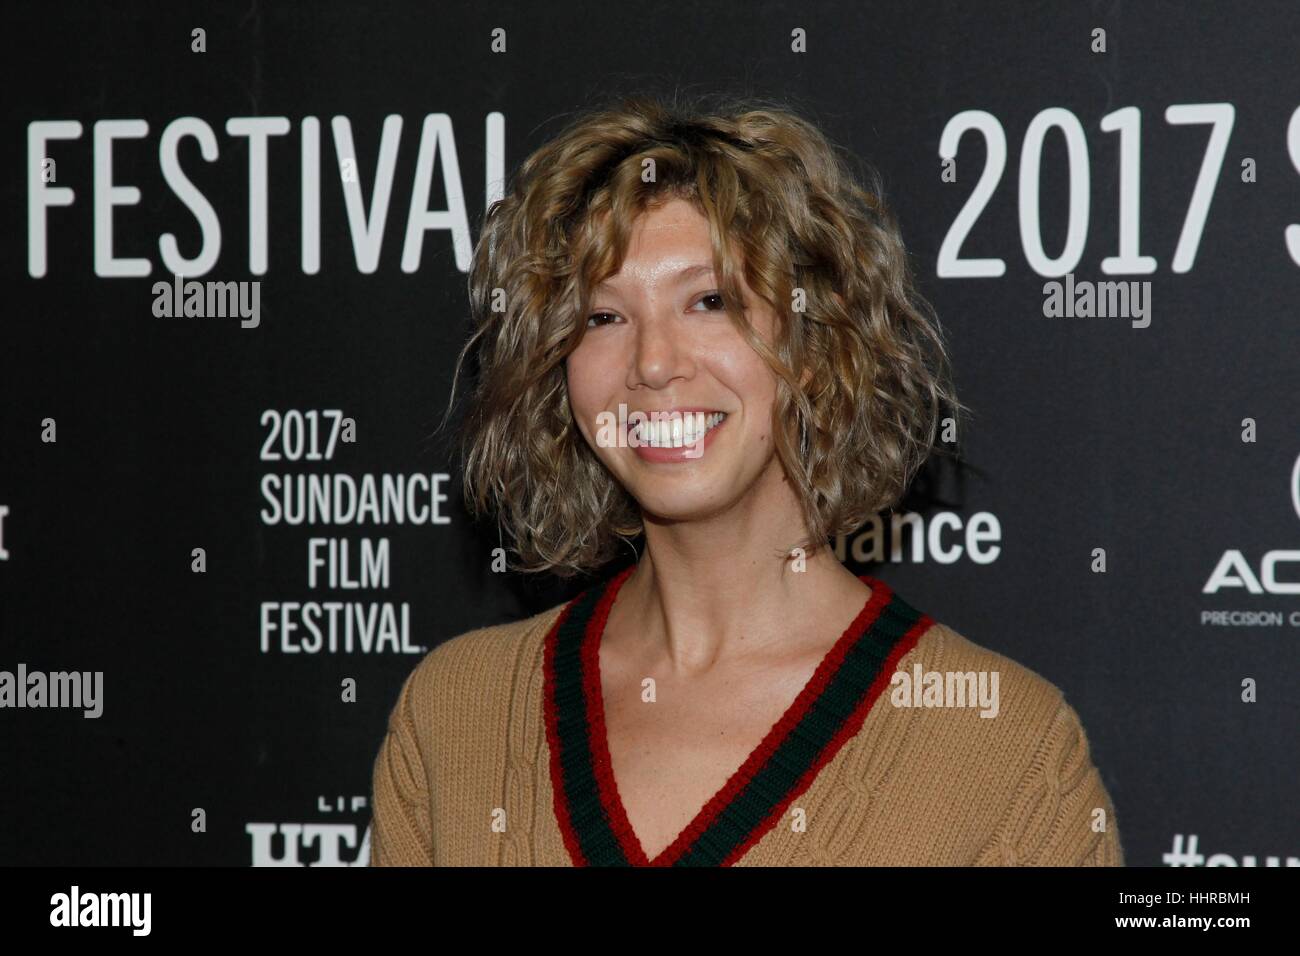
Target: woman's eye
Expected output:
[713,302]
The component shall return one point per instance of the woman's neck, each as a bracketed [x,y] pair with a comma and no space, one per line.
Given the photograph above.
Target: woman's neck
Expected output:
[702,596]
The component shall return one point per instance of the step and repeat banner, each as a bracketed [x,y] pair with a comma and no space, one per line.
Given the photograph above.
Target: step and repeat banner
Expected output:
[235,242]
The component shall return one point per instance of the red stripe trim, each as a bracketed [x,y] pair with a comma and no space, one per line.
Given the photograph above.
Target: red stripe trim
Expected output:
[843,735]
[602,765]
[880,597]
[552,715]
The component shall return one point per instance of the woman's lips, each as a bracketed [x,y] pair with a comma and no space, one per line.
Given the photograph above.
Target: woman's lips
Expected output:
[692,452]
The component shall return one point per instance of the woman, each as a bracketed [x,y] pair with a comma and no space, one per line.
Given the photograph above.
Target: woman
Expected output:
[694,329]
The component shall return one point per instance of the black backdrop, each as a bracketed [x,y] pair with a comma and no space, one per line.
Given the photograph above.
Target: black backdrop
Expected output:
[1089,433]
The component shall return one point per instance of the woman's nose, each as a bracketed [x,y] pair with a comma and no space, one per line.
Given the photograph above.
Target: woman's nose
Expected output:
[661,355]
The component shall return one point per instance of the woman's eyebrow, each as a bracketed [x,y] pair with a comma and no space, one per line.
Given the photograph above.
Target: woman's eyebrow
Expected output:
[686,272]
[692,271]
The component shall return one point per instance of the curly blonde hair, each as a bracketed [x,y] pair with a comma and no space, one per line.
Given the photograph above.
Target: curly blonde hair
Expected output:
[782,205]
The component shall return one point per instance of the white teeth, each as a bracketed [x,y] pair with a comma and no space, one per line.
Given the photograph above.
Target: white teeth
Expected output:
[677,431]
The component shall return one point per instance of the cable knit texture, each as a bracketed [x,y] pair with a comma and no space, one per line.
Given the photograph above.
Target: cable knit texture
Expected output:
[463,776]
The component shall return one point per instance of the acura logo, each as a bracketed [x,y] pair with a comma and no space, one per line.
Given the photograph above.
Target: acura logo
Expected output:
[1234,571]
[1295,486]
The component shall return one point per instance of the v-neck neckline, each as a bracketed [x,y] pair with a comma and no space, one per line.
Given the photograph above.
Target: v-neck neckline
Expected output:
[827,712]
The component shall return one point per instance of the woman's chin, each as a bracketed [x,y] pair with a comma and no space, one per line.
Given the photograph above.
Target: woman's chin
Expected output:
[680,508]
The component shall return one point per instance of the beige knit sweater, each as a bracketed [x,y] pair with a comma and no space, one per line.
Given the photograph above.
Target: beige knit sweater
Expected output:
[470,773]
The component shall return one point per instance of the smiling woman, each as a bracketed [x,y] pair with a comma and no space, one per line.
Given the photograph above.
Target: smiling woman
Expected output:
[695,331]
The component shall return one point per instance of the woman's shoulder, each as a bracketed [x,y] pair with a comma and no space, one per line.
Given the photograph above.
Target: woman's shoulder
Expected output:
[978,692]
[944,649]
[1022,742]
[468,666]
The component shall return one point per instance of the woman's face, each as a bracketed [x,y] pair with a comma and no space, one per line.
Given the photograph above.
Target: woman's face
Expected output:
[659,341]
